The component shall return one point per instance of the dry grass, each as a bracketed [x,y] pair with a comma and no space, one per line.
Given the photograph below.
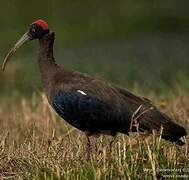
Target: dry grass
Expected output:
[36,144]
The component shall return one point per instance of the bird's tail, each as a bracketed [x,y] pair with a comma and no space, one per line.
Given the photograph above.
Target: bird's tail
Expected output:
[172,131]
[155,120]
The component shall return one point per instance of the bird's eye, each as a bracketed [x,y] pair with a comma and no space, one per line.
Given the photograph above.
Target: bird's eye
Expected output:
[33,30]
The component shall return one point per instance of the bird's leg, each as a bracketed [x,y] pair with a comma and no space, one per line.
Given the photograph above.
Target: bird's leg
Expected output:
[112,141]
[89,144]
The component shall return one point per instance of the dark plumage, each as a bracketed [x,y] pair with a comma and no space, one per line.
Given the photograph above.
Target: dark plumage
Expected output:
[95,106]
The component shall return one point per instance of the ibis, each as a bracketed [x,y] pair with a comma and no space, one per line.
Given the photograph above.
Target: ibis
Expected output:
[91,104]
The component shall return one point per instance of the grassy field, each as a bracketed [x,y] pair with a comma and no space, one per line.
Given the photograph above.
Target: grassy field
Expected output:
[36,144]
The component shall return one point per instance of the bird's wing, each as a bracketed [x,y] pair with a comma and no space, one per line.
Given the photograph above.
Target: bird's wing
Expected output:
[89,113]
[91,103]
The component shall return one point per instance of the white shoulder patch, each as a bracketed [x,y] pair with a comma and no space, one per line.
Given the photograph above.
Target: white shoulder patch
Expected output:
[81,92]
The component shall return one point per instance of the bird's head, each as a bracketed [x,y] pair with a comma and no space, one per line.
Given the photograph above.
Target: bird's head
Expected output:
[37,30]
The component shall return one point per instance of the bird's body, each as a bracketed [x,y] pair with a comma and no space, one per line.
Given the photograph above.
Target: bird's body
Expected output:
[91,104]
[94,105]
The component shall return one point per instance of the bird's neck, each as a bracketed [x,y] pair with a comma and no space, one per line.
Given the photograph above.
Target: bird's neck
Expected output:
[46,59]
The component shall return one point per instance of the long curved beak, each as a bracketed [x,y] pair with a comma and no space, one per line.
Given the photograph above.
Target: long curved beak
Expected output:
[25,38]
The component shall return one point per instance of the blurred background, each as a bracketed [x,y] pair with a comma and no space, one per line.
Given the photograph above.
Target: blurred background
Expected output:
[136,44]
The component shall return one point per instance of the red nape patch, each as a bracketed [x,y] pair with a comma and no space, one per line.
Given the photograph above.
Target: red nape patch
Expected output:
[41,23]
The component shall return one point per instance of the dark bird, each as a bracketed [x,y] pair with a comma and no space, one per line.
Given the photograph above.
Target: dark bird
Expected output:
[90,104]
